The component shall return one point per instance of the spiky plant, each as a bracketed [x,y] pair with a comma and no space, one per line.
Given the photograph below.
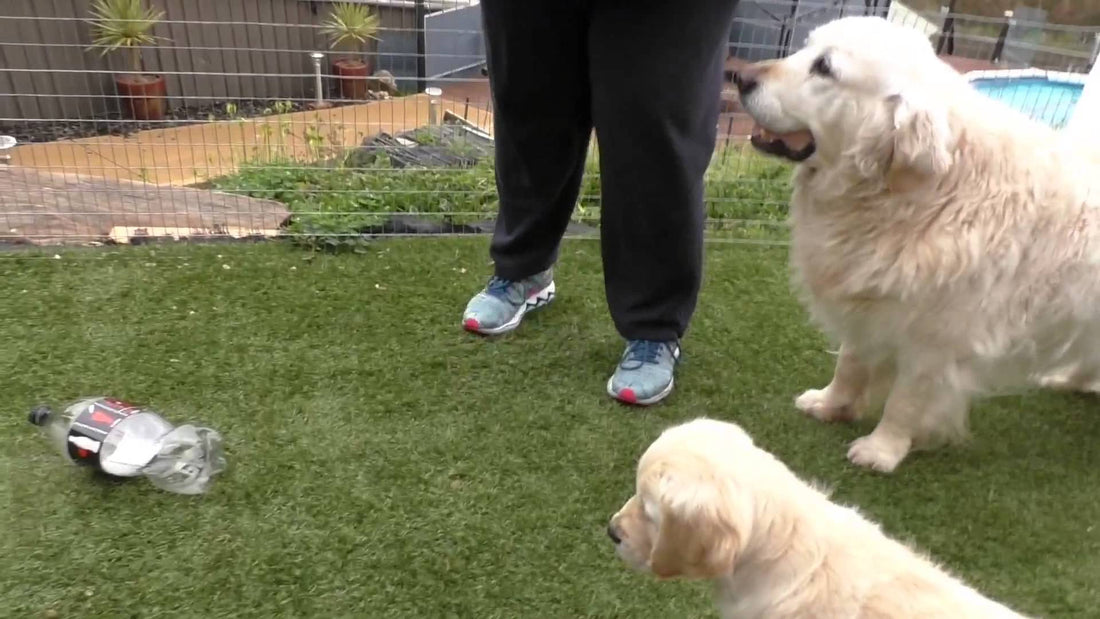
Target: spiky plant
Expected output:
[351,24]
[118,24]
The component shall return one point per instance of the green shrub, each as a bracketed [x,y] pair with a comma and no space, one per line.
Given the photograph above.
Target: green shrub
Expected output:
[745,192]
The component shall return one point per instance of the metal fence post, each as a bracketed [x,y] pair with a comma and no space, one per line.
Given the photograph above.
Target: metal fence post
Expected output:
[999,48]
[421,48]
[947,30]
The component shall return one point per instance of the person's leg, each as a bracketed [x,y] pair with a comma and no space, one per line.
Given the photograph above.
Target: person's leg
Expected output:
[656,83]
[536,52]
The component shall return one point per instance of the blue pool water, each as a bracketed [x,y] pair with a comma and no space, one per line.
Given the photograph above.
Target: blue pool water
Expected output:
[1040,98]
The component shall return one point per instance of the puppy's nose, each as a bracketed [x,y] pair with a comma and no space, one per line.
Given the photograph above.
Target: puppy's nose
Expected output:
[746,79]
[611,533]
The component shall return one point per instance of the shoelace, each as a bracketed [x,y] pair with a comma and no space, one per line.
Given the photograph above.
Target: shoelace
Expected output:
[498,286]
[503,289]
[640,352]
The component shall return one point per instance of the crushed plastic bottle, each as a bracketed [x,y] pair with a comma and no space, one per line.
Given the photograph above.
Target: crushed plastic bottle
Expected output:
[124,440]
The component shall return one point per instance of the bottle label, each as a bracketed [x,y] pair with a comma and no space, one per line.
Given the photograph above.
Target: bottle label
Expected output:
[92,425]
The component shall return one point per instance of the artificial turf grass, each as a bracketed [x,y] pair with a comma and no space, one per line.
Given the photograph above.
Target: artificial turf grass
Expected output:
[385,463]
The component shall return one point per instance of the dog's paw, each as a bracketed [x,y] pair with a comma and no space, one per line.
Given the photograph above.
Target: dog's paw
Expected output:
[815,403]
[879,453]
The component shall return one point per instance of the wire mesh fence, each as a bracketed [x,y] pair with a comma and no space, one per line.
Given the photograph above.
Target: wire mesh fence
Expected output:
[262,118]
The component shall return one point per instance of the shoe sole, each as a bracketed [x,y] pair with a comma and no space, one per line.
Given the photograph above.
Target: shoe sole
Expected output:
[646,402]
[540,299]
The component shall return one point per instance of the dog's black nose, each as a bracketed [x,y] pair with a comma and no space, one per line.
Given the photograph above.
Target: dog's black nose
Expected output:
[746,79]
[611,534]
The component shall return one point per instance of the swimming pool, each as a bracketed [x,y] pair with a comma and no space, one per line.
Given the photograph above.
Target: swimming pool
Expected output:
[1046,96]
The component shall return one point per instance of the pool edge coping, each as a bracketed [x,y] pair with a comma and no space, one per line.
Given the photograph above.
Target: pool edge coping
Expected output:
[1064,77]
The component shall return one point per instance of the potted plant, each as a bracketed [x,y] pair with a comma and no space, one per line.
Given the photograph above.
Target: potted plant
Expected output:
[127,24]
[351,25]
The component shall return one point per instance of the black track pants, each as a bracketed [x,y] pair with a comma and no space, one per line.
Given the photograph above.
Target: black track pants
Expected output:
[646,75]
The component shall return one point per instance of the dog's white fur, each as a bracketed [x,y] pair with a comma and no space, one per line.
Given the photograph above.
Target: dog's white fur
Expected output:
[711,504]
[949,243]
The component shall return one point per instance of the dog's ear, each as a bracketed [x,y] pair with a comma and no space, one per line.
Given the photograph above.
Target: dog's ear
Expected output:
[921,135]
[910,136]
[701,531]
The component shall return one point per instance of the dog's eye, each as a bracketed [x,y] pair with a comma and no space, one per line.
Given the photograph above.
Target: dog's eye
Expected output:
[822,67]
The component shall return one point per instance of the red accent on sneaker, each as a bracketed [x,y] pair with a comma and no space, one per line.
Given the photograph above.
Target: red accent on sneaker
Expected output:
[471,324]
[536,293]
[627,395]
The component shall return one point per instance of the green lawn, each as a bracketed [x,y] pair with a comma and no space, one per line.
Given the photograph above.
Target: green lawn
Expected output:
[386,464]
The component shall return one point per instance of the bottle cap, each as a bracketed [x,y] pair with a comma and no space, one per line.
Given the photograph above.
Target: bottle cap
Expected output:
[39,415]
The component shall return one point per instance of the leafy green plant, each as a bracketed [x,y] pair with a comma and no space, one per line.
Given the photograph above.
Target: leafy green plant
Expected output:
[315,140]
[279,107]
[352,25]
[119,24]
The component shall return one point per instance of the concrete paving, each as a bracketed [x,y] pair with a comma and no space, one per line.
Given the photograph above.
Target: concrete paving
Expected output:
[39,207]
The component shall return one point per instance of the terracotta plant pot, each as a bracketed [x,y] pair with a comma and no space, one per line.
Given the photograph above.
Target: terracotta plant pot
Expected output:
[351,75]
[143,97]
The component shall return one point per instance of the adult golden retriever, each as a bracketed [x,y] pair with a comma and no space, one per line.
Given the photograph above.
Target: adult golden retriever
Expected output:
[711,504]
[949,244]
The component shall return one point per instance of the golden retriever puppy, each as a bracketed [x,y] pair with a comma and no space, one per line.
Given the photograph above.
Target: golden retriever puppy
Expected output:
[709,504]
[948,243]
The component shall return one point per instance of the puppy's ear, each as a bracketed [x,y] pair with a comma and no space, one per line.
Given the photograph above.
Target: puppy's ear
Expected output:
[922,137]
[702,530]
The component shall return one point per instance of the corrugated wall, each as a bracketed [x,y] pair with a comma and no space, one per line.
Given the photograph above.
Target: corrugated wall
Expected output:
[227,49]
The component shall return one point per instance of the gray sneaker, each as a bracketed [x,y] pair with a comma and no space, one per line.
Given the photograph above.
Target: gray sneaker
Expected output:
[645,372]
[501,306]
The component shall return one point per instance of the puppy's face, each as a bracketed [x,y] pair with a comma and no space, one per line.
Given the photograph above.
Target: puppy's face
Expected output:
[688,516]
[859,84]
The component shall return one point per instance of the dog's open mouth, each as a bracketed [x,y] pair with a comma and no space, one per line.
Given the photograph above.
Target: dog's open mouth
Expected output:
[796,146]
